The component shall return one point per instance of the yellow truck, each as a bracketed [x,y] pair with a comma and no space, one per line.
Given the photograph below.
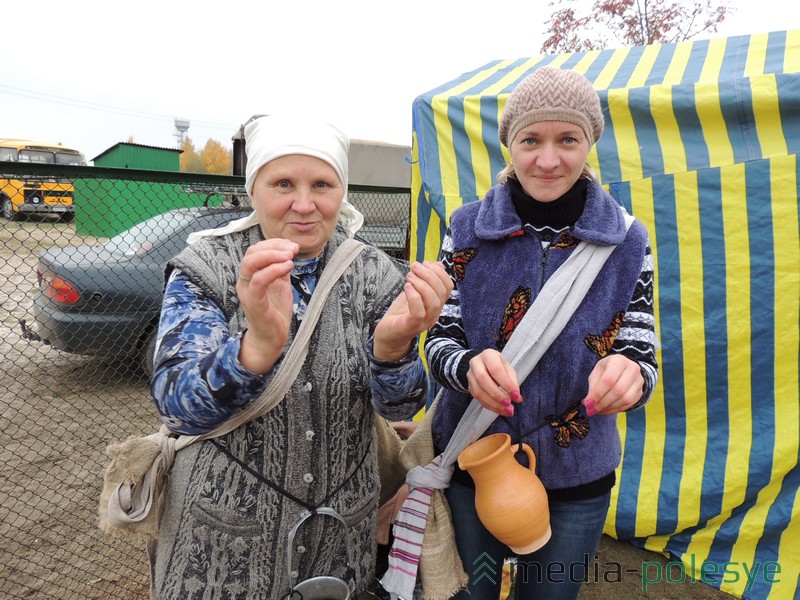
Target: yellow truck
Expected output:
[35,194]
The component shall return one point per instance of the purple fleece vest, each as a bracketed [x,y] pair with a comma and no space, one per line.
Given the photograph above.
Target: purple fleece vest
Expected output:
[501,269]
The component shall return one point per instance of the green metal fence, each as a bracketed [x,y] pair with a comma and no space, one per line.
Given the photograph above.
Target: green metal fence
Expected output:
[60,409]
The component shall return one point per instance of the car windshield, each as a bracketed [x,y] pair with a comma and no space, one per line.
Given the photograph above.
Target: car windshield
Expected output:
[142,238]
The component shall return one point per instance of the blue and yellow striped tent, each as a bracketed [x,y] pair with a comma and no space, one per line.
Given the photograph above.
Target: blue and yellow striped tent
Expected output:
[701,144]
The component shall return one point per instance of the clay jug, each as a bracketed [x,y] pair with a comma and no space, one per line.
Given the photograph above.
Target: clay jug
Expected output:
[510,500]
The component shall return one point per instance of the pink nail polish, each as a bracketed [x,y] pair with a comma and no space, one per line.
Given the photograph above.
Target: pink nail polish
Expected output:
[515,396]
[506,402]
[590,412]
[510,411]
[588,404]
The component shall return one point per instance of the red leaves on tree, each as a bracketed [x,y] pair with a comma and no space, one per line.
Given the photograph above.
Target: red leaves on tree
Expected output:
[615,23]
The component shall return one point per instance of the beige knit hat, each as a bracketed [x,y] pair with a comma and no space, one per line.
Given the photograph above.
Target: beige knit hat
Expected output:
[551,94]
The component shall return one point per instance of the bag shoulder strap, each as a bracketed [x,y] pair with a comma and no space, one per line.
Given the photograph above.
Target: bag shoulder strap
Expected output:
[298,351]
[556,302]
[296,354]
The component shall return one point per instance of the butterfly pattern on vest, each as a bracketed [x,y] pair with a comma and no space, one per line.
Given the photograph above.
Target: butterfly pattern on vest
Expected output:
[571,423]
[461,259]
[565,242]
[601,344]
[516,308]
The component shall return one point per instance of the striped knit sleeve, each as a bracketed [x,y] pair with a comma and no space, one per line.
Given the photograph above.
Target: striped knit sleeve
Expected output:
[446,348]
[636,339]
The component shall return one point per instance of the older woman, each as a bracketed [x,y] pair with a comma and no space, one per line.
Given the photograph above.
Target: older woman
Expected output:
[233,301]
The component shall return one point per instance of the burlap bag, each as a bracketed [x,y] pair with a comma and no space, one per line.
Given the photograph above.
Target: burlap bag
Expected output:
[141,463]
[391,469]
[441,569]
[137,464]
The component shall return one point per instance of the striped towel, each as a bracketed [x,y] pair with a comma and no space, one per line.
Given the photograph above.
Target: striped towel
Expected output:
[413,523]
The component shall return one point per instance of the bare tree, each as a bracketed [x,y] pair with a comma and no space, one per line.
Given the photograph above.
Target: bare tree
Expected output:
[612,23]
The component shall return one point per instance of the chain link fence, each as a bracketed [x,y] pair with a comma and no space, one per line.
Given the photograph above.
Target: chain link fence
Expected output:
[82,253]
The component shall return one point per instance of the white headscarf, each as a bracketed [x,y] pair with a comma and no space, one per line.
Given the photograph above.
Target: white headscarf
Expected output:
[272,136]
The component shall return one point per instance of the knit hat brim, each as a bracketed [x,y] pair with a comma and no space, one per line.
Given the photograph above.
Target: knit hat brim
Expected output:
[538,115]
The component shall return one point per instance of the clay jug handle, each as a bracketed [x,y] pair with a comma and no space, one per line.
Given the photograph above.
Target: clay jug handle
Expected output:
[529,451]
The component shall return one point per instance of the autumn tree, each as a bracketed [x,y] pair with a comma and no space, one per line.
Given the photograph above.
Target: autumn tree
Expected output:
[611,23]
[217,160]
[190,159]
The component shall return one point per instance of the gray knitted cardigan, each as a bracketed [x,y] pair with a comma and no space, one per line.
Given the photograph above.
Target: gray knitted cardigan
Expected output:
[224,528]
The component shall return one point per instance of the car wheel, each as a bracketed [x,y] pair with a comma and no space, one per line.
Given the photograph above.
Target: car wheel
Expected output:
[147,351]
[8,209]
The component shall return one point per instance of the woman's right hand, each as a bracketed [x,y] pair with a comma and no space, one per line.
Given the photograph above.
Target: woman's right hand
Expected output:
[493,382]
[265,293]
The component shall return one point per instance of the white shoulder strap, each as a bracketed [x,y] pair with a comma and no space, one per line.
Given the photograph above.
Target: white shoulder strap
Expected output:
[296,355]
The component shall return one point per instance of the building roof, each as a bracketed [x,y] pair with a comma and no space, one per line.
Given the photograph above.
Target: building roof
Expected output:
[131,144]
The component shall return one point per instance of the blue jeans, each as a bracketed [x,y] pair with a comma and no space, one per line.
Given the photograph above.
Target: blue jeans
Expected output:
[554,572]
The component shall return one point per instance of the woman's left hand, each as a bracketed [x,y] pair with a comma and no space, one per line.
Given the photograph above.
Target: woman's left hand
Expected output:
[615,384]
[415,310]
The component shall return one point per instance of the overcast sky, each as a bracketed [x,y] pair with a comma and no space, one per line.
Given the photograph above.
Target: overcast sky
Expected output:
[90,74]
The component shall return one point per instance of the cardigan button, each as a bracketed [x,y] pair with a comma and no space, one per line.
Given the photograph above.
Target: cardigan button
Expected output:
[308,478]
[309,435]
[307,386]
[301,549]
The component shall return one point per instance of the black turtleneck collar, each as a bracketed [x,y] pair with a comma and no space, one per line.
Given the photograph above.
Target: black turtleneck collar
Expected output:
[561,212]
